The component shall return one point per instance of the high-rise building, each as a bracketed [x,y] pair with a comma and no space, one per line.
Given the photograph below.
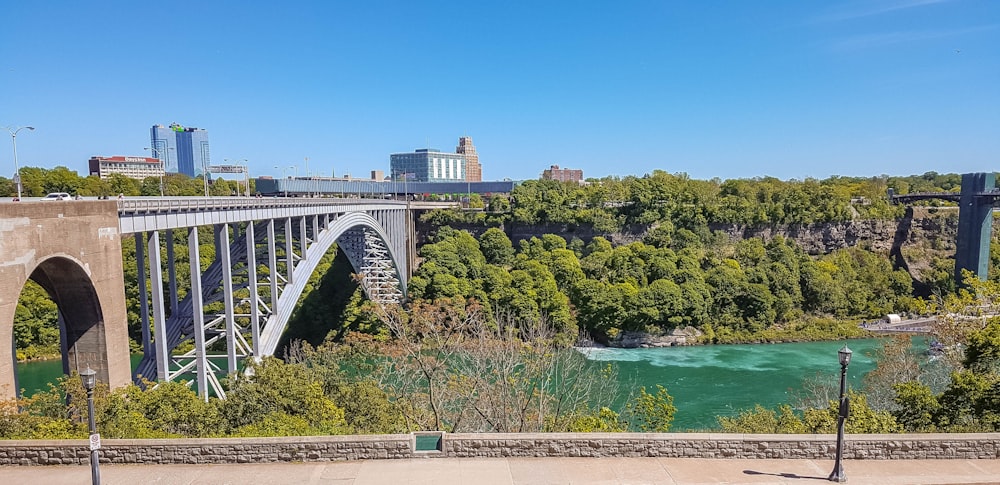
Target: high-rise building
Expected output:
[190,147]
[473,171]
[427,165]
[164,145]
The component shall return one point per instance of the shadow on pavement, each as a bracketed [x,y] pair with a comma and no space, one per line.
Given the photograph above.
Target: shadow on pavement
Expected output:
[783,475]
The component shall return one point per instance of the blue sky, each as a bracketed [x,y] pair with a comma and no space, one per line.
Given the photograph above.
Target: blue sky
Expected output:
[790,89]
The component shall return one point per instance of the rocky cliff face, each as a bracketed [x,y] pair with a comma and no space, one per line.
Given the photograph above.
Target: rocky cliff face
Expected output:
[934,229]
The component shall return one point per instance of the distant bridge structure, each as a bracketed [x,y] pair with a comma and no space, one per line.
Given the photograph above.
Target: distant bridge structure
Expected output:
[975,220]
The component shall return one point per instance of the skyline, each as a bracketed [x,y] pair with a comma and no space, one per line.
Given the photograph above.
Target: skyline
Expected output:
[711,89]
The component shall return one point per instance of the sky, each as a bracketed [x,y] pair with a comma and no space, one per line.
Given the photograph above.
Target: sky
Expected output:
[727,89]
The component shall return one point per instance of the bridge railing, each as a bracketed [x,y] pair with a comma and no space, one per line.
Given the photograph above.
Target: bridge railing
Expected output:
[179,204]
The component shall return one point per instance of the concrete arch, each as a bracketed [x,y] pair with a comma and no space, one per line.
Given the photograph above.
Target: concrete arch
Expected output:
[81,319]
[74,252]
[276,324]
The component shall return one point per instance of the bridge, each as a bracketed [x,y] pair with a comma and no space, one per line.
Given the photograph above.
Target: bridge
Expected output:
[239,302]
[975,220]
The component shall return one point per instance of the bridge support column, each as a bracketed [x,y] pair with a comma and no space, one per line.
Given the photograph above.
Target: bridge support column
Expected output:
[289,251]
[171,271]
[252,286]
[162,353]
[140,265]
[198,315]
[222,230]
[975,224]
[272,265]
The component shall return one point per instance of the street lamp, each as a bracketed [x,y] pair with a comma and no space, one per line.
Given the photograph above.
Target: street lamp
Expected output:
[163,163]
[284,177]
[17,169]
[89,378]
[837,475]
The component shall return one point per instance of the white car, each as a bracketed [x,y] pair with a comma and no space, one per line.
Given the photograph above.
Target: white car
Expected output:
[58,196]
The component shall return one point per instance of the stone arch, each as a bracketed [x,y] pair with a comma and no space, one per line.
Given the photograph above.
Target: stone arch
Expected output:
[83,333]
[73,250]
[81,319]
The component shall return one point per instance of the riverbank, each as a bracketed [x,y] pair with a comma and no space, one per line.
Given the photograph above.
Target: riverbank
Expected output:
[807,329]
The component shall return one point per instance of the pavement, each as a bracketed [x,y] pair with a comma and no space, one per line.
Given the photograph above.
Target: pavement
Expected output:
[505,471]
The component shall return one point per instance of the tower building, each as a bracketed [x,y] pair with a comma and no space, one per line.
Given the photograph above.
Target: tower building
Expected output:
[190,147]
[164,145]
[473,171]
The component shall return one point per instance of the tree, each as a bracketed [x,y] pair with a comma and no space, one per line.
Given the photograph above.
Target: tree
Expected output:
[496,247]
[287,395]
[652,412]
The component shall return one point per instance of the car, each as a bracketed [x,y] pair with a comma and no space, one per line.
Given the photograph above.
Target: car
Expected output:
[58,196]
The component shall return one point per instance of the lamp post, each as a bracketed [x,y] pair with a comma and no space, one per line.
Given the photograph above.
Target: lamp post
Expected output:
[89,378]
[204,176]
[837,475]
[283,176]
[163,163]
[13,141]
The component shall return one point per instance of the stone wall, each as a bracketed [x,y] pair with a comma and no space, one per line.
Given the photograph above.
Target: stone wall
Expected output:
[367,447]
[213,450]
[735,446]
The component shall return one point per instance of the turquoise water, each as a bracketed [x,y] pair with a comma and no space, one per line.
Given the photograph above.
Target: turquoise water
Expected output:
[36,376]
[705,381]
[721,380]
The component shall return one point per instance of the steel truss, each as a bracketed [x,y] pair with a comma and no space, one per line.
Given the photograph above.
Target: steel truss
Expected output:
[245,297]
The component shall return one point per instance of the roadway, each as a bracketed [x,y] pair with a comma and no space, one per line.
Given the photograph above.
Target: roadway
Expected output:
[509,471]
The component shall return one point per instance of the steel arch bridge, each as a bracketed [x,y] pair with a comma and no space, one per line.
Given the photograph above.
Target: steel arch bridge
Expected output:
[240,303]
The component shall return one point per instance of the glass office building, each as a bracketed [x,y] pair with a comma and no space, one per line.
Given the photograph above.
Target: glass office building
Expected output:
[164,145]
[427,165]
[192,151]
[183,150]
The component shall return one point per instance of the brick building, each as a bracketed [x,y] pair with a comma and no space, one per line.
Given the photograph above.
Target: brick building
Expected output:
[563,174]
[473,171]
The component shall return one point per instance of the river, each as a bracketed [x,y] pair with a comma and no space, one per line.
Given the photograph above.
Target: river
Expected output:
[705,381]
[721,380]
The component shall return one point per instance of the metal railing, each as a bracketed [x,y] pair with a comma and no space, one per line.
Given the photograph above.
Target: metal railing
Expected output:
[177,204]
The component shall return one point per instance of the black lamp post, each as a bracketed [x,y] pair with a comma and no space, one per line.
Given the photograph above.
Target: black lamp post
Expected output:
[89,378]
[837,475]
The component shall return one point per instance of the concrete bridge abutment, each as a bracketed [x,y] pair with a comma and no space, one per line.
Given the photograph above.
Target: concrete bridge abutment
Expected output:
[73,250]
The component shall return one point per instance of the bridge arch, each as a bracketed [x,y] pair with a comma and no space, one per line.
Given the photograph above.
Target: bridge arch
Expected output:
[261,268]
[81,319]
[340,231]
[73,251]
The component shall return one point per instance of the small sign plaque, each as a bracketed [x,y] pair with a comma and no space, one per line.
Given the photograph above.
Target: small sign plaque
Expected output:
[95,441]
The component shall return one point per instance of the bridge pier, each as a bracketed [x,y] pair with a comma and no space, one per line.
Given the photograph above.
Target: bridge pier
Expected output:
[975,225]
[975,220]
[73,251]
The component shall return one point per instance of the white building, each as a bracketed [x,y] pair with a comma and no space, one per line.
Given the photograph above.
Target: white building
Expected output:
[131,167]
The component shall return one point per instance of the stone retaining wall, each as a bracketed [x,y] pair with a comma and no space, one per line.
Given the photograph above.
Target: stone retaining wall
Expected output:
[214,450]
[701,445]
[334,448]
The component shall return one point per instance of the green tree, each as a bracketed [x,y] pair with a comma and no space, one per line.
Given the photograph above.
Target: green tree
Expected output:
[652,412]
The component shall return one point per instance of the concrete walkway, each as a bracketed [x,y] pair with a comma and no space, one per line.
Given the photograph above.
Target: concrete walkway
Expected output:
[504,471]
